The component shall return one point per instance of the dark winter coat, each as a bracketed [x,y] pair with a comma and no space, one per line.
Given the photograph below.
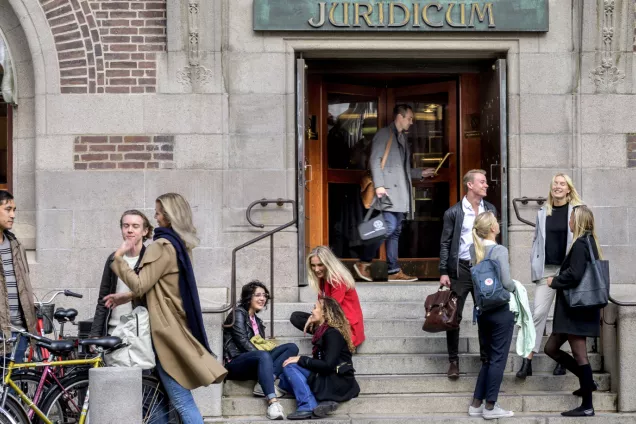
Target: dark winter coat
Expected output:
[236,339]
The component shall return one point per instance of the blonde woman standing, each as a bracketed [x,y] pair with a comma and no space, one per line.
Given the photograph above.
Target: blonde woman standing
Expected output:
[495,325]
[574,325]
[329,277]
[166,279]
[552,237]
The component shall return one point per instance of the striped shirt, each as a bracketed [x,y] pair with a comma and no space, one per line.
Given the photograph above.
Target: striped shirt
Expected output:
[12,284]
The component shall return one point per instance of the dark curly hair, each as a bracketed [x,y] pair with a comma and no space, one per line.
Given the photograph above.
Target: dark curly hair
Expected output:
[248,291]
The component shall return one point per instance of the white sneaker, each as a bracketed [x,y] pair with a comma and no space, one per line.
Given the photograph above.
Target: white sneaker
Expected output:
[476,412]
[496,412]
[275,411]
[258,391]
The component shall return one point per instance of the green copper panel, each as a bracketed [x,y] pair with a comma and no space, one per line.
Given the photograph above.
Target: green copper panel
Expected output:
[402,15]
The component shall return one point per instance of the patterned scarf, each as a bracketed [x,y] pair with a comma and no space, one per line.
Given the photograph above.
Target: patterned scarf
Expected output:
[320,331]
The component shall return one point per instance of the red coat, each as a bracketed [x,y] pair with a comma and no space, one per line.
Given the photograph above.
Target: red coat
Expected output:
[350,303]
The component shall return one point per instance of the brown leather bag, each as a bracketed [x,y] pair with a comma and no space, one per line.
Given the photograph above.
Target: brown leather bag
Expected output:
[367,189]
[441,311]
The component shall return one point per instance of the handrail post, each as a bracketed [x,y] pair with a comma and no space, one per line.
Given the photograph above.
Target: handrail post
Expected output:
[271,279]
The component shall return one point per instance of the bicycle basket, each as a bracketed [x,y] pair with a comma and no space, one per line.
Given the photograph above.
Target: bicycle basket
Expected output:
[46,313]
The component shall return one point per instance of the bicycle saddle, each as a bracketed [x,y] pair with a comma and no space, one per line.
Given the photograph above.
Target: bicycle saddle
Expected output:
[64,315]
[105,342]
[58,346]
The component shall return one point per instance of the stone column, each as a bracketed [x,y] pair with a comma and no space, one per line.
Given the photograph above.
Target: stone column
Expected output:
[115,395]
[608,344]
[626,354]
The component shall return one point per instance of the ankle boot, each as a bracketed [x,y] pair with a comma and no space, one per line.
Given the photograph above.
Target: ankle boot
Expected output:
[559,369]
[526,369]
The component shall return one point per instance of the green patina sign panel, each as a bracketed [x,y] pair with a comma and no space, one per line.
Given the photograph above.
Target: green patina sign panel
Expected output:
[401,15]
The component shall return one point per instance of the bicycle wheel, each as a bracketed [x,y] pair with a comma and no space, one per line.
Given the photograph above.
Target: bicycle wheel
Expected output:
[64,405]
[28,382]
[155,403]
[13,413]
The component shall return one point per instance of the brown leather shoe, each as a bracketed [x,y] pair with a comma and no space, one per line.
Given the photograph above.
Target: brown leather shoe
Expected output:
[453,370]
[401,277]
[363,270]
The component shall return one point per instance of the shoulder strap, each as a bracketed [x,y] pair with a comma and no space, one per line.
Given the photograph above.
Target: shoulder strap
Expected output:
[386,150]
[589,246]
[490,253]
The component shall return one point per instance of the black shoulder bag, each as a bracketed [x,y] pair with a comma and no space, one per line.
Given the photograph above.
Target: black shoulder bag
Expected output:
[593,291]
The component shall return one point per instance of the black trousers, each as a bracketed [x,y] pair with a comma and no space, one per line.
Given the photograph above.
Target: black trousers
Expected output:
[462,286]
[299,319]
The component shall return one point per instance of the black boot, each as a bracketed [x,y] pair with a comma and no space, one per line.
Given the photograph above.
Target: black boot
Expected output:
[558,370]
[526,369]
[586,381]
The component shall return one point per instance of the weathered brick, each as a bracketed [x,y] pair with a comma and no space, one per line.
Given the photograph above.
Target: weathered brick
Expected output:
[80,148]
[147,81]
[69,46]
[92,157]
[115,89]
[102,165]
[146,65]
[124,65]
[102,148]
[152,165]
[47,7]
[130,148]
[101,15]
[151,89]
[74,81]
[167,148]
[137,39]
[123,15]
[164,139]
[123,48]
[130,165]
[155,39]
[68,36]
[137,90]
[152,14]
[137,6]
[72,54]
[81,166]
[59,12]
[631,163]
[75,4]
[72,63]
[61,20]
[162,156]
[117,57]
[151,48]
[137,23]
[92,87]
[121,81]
[124,31]
[111,73]
[631,146]
[85,31]
[156,5]
[91,73]
[116,23]
[137,73]
[94,139]
[155,23]
[76,158]
[74,90]
[64,28]
[116,39]
[151,73]
[137,156]
[631,155]
[73,72]
[137,56]
[116,139]
[137,139]
[116,156]
[151,31]
[115,5]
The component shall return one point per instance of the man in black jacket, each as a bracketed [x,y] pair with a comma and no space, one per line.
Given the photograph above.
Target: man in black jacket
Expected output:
[454,256]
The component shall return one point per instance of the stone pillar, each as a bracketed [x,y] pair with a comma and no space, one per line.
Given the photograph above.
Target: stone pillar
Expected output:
[626,349]
[115,395]
[608,344]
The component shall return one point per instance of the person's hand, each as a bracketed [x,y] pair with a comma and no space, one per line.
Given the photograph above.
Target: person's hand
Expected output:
[380,191]
[445,281]
[291,360]
[428,172]
[309,324]
[126,246]
[550,281]
[116,299]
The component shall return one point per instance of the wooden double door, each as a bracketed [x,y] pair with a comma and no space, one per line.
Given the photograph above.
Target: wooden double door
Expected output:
[341,121]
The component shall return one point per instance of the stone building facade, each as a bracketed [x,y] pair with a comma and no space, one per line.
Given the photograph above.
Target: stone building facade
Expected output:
[119,101]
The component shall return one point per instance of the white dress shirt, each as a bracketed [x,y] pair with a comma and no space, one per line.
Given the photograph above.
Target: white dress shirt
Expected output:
[467,228]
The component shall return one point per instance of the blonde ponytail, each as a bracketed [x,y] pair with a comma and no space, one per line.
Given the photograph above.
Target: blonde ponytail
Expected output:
[481,228]
[480,249]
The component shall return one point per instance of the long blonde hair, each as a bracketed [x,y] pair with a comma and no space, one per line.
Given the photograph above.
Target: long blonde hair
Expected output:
[335,318]
[573,197]
[481,228]
[584,223]
[335,272]
[178,212]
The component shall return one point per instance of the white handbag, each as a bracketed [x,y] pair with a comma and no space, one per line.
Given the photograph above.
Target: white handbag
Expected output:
[134,331]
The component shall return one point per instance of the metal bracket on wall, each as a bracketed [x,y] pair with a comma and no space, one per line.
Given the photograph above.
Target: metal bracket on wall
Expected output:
[524,201]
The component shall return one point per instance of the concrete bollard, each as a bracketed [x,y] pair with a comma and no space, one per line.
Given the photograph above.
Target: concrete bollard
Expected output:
[115,395]
[626,349]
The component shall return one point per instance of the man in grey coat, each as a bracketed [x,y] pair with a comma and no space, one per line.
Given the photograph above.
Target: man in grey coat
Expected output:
[393,189]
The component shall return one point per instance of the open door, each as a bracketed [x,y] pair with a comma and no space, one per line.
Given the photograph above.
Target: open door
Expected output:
[494,139]
[301,125]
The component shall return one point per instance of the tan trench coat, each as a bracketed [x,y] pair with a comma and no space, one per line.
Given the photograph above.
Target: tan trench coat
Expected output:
[181,355]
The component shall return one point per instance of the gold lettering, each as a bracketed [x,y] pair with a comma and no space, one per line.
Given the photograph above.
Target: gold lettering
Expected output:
[321,22]
[381,12]
[345,15]
[462,14]
[365,16]
[481,15]
[425,15]
[407,14]
[416,15]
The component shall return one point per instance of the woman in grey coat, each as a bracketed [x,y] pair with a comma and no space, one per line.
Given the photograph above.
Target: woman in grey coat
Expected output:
[552,237]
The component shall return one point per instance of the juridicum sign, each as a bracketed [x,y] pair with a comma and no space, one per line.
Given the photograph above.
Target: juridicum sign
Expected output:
[403,15]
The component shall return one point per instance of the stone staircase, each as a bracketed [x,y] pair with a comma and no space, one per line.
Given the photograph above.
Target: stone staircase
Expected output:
[402,370]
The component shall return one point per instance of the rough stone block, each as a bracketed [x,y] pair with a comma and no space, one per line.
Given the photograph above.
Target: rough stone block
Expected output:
[85,114]
[209,225]
[545,151]
[559,38]
[257,73]
[95,190]
[621,261]
[24,190]
[204,194]
[24,154]
[98,228]
[212,266]
[626,356]
[115,386]
[241,36]
[603,151]
[23,120]
[54,153]
[257,152]
[547,73]
[184,114]
[520,263]
[596,182]
[546,114]
[514,114]
[199,151]
[55,229]
[612,224]
[257,114]
[608,114]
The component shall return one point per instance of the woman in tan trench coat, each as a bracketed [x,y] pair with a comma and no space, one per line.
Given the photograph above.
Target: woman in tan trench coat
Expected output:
[165,278]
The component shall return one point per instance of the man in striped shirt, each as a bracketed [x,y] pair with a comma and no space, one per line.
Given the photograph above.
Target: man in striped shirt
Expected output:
[17,310]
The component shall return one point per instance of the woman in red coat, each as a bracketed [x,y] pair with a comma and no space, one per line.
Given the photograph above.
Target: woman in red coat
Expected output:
[329,277]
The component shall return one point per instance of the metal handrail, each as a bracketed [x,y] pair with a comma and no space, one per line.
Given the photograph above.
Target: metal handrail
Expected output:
[270,234]
[541,200]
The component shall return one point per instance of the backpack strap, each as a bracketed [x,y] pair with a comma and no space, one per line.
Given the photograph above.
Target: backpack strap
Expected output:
[490,253]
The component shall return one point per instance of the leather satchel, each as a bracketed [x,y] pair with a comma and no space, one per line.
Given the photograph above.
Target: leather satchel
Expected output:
[367,189]
[441,311]
[593,290]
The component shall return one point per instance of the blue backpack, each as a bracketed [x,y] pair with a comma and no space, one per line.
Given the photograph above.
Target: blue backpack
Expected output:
[489,291]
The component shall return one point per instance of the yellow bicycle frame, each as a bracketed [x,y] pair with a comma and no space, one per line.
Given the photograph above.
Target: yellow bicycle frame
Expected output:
[95,362]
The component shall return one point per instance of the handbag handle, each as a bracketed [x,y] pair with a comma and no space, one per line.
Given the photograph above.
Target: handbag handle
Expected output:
[589,246]
[370,211]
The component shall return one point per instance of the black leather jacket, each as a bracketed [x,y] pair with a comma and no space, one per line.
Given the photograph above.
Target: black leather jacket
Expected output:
[236,340]
[451,236]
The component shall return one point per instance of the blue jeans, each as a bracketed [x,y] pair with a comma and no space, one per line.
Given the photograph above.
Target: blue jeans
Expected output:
[393,221]
[495,336]
[262,365]
[180,397]
[23,344]
[294,380]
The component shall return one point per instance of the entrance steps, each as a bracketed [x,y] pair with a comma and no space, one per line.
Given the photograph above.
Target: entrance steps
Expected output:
[402,370]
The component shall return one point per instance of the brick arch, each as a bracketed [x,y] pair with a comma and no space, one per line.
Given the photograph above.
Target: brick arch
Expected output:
[107,46]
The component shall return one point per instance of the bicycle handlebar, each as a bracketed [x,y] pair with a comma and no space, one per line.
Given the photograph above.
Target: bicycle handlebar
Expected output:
[67,293]
[73,294]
